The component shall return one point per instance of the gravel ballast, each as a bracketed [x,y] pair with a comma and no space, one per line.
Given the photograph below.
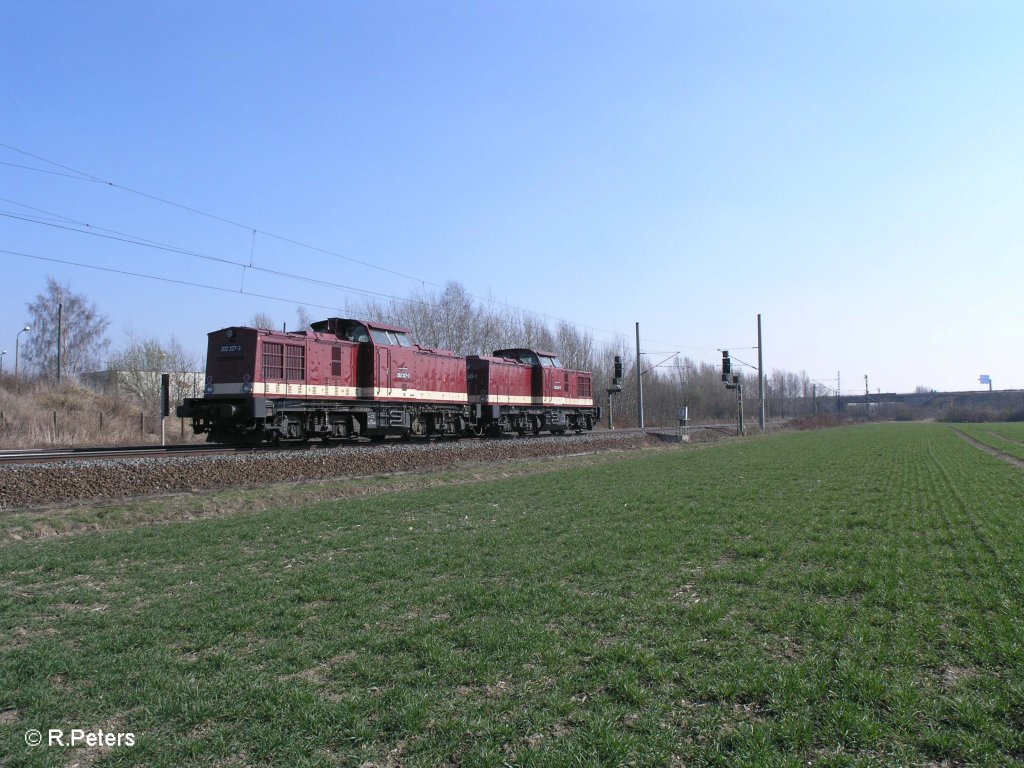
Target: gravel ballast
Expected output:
[28,485]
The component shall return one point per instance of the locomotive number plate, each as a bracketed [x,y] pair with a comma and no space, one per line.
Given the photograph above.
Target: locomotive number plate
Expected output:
[230,347]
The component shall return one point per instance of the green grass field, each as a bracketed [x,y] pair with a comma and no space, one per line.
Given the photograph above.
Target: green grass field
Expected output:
[1008,438]
[850,597]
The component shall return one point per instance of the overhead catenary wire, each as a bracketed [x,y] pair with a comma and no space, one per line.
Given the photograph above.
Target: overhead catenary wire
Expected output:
[82,175]
[317,281]
[163,279]
[60,221]
[74,173]
[133,240]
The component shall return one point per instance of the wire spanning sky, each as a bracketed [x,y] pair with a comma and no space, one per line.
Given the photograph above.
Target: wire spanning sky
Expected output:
[853,172]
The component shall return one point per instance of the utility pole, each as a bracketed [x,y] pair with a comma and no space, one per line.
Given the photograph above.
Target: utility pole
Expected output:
[814,399]
[839,393]
[60,340]
[639,381]
[760,373]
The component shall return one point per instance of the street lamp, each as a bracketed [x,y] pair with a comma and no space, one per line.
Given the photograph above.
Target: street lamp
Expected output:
[17,344]
[2,362]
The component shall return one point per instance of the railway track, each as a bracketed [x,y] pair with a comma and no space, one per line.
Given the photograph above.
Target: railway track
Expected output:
[50,455]
[46,455]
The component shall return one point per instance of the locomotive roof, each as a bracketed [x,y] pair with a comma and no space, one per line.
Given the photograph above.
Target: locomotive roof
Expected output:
[332,323]
[513,351]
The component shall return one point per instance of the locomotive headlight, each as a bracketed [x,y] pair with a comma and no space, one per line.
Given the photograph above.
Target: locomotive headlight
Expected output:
[246,388]
[209,388]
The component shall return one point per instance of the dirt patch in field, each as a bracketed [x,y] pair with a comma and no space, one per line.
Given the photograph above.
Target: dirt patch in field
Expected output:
[1018,463]
[951,676]
[319,673]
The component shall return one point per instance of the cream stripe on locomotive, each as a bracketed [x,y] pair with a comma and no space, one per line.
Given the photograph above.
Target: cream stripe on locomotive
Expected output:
[322,390]
[273,389]
[303,390]
[575,402]
[287,390]
[572,402]
[397,393]
[502,400]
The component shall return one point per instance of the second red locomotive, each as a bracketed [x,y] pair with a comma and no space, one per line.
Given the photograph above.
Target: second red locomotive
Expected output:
[350,378]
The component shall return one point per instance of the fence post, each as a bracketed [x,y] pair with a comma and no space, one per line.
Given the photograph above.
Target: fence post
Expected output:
[54,425]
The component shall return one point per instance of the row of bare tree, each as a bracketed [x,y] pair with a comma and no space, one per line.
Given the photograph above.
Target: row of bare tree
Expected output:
[448,319]
[453,319]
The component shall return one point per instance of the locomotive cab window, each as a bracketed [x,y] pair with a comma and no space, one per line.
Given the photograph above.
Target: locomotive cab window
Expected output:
[390,338]
[358,334]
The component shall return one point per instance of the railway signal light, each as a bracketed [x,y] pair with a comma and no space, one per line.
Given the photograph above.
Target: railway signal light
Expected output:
[165,394]
[726,365]
[616,379]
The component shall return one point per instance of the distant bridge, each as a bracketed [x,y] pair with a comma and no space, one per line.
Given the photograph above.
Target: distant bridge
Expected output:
[997,399]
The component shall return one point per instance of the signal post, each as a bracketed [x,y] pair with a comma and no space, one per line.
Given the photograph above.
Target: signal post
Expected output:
[732,381]
[615,388]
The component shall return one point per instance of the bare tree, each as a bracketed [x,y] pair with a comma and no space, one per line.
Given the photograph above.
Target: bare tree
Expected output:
[83,333]
[262,320]
[575,347]
[303,317]
[138,366]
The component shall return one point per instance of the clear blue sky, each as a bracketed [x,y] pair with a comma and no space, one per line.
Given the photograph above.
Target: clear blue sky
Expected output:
[852,171]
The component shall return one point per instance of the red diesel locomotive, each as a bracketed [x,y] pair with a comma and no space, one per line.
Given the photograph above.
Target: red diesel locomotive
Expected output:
[357,378]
